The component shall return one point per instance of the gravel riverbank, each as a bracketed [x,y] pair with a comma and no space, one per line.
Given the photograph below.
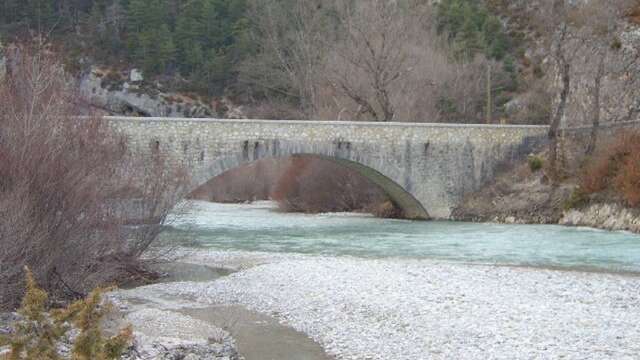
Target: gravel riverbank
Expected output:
[419,309]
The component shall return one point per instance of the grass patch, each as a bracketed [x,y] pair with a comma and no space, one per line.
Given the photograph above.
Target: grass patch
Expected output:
[535,163]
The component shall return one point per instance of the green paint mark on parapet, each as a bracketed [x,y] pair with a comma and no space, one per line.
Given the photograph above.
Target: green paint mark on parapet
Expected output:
[411,207]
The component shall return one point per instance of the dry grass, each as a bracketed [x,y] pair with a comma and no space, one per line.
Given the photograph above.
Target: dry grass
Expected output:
[633,13]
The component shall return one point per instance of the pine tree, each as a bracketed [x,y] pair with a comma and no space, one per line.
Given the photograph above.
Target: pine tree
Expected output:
[151,41]
[165,48]
[40,14]
[190,36]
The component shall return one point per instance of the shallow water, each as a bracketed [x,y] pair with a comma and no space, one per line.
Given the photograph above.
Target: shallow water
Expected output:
[258,227]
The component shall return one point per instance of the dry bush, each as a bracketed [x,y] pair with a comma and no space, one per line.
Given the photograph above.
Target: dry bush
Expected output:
[627,181]
[246,183]
[315,186]
[59,178]
[615,167]
[633,12]
[536,105]
[274,109]
[386,209]
[596,175]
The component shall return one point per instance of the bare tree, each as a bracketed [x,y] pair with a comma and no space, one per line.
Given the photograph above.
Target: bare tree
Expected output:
[375,51]
[591,30]
[557,22]
[290,37]
[59,176]
[373,60]
[595,27]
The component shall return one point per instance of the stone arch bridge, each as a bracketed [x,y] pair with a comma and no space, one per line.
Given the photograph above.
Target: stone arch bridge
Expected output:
[425,168]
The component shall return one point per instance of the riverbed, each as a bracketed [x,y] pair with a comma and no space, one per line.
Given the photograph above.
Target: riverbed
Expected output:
[365,288]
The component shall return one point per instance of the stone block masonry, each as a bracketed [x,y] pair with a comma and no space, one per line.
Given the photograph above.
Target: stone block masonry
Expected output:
[426,168]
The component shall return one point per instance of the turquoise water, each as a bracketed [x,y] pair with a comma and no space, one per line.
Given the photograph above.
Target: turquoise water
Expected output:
[257,227]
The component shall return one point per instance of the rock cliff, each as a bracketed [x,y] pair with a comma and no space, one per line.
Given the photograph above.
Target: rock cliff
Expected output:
[128,94]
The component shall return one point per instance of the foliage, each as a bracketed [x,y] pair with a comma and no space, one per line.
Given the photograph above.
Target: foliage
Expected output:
[311,55]
[577,199]
[535,163]
[615,167]
[473,32]
[198,39]
[37,335]
[472,29]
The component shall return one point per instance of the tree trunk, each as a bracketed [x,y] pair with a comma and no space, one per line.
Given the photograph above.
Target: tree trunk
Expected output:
[489,95]
[595,121]
[564,67]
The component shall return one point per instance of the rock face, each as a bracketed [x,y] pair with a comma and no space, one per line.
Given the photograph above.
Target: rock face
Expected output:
[618,89]
[516,196]
[135,75]
[127,94]
[604,216]
[602,49]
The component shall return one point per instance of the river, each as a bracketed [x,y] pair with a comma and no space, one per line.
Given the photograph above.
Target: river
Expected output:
[260,227]
[367,288]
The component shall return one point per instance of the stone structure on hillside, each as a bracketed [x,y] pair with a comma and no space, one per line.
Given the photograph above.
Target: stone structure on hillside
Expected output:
[425,168]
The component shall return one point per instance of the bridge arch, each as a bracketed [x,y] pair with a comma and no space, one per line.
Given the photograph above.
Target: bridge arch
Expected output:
[410,206]
[426,167]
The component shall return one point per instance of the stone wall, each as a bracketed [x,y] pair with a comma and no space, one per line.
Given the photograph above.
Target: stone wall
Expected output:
[423,166]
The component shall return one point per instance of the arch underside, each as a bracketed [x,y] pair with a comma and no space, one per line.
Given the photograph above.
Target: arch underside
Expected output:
[411,207]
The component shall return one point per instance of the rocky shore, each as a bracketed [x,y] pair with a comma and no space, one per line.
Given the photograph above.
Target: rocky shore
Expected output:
[158,335]
[420,309]
[392,309]
[607,216]
[521,196]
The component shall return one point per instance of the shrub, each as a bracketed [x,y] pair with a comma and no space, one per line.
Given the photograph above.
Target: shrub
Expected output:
[314,186]
[535,163]
[386,209]
[577,199]
[60,177]
[627,180]
[596,173]
[251,182]
[37,335]
[616,44]
[615,167]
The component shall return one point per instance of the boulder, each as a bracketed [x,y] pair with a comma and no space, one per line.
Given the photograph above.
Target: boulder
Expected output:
[135,76]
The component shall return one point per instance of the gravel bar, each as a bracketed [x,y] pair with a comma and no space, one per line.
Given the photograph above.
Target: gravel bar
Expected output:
[417,309]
